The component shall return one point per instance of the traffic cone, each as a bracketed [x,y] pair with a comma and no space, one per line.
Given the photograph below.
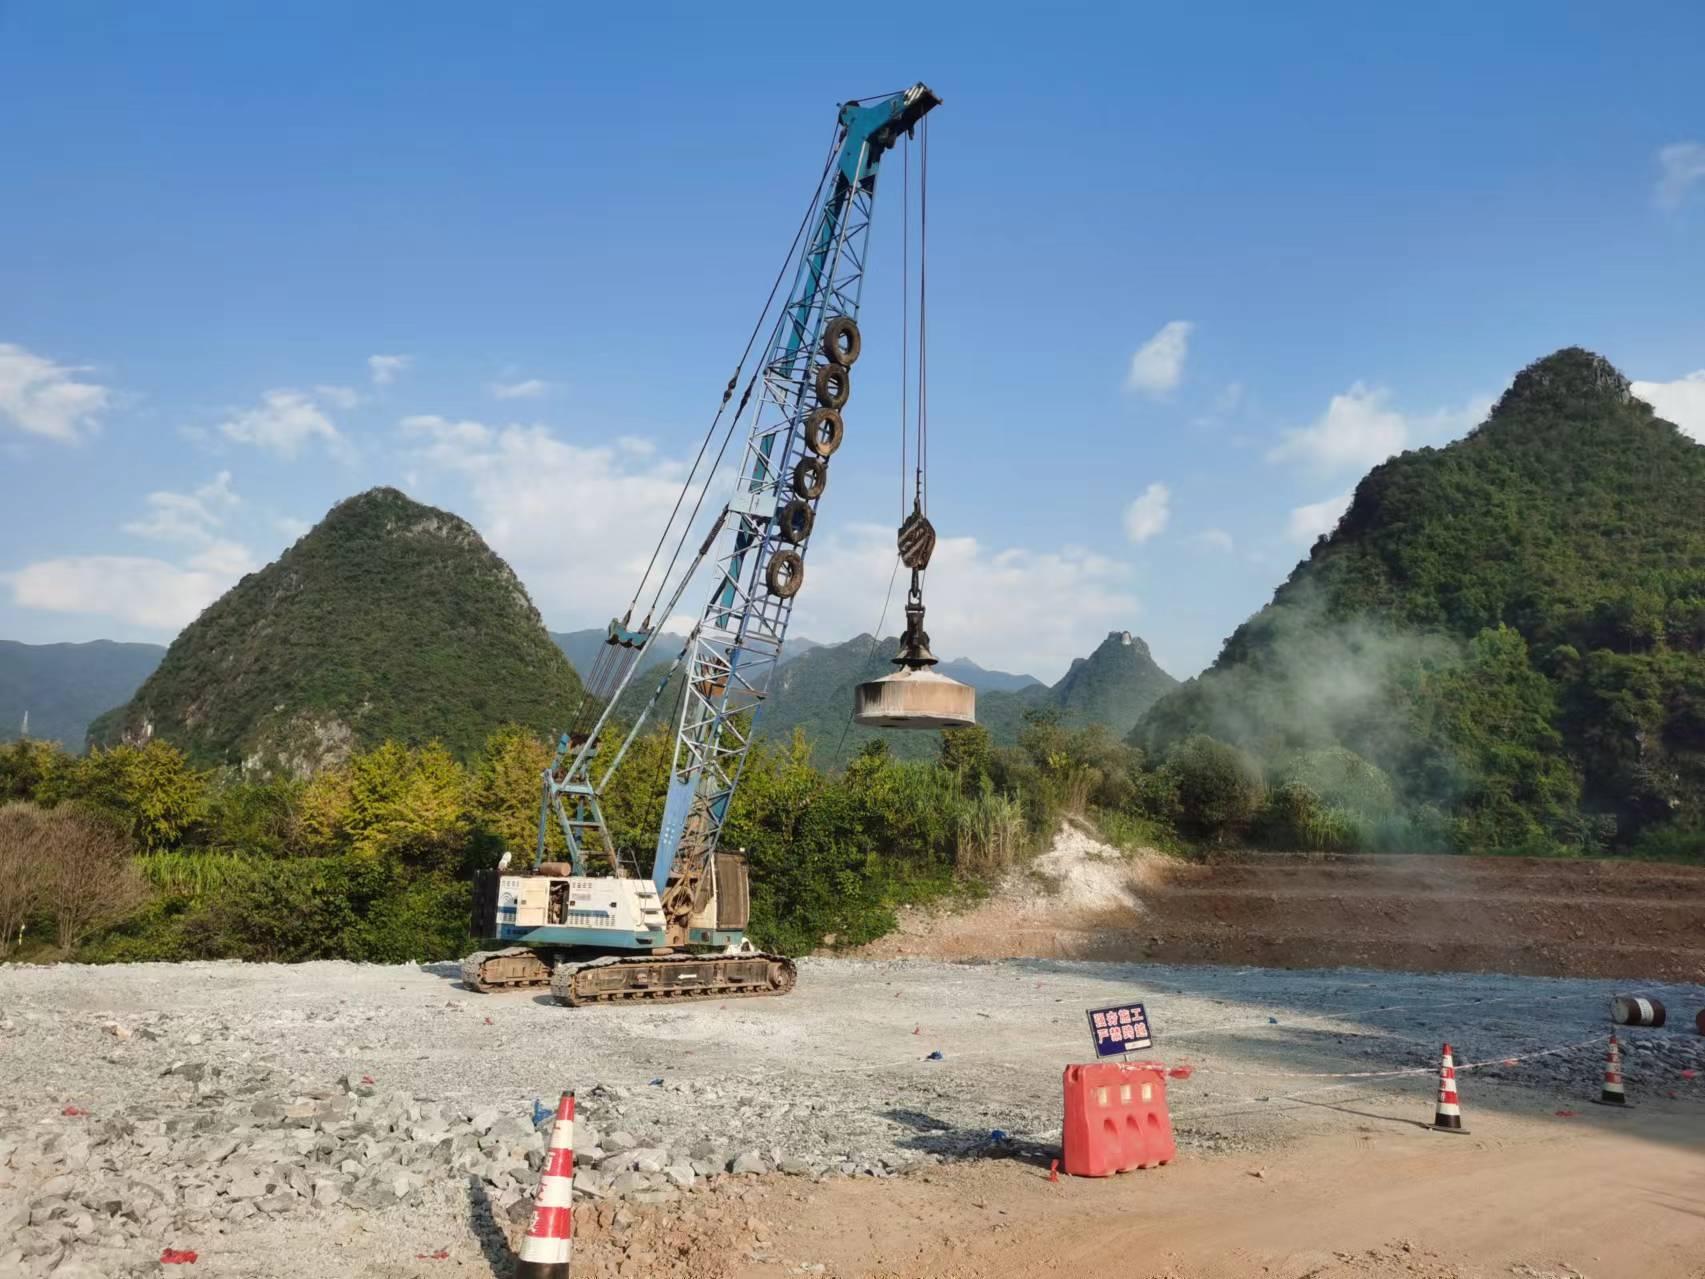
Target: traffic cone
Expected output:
[550,1235]
[1612,1094]
[1448,1116]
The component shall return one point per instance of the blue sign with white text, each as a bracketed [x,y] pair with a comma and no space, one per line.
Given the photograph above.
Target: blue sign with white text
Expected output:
[1119,1029]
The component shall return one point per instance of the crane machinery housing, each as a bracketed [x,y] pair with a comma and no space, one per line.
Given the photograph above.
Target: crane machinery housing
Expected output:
[679,932]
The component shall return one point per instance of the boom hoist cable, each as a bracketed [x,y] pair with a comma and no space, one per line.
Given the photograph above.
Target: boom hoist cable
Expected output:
[915,696]
[790,410]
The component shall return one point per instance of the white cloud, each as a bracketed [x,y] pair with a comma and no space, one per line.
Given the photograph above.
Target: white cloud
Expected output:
[1360,429]
[1682,165]
[283,423]
[1072,598]
[1147,516]
[48,399]
[1317,518]
[531,493]
[290,526]
[1159,363]
[135,589]
[229,560]
[343,397]
[1681,401]
[145,590]
[1215,539]
[385,369]
[187,517]
[530,389]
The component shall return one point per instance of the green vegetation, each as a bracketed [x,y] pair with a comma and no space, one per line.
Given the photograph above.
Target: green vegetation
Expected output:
[370,859]
[1503,642]
[389,621]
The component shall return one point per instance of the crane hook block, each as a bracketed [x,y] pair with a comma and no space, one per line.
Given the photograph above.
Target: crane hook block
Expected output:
[824,431]
[916,541]
[811,477]
[794,521]
[834,384]
[785,575]
[841,341]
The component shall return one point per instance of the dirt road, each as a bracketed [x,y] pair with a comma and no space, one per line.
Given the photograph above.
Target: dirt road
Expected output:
[1541,917]
[1600,1195]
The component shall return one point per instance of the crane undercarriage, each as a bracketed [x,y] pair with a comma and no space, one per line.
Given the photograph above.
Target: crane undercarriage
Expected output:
[578,980]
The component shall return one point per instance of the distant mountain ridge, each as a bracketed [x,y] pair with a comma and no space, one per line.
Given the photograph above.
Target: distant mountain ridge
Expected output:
[63,687]
[1114,685]
[389,619]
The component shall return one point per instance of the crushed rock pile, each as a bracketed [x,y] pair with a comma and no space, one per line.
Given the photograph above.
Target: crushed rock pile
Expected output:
[86,1191]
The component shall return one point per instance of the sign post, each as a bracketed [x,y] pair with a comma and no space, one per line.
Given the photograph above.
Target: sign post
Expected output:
[1119,1029]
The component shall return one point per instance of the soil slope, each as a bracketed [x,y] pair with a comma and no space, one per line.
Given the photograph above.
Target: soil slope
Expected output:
[1534,916]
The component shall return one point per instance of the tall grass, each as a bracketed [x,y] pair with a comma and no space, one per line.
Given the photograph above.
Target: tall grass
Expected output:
[992,833]
[195,873]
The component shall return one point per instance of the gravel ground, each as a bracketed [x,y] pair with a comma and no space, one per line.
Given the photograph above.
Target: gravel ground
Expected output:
[338,1118]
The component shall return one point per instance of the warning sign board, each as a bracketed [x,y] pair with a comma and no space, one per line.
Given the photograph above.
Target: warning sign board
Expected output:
[1119,1029]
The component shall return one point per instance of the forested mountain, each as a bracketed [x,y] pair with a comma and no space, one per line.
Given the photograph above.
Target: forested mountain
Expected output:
[1511,626]
[62,687]
[389,619]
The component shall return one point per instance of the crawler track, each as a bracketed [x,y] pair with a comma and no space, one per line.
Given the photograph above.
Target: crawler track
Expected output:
[622,978]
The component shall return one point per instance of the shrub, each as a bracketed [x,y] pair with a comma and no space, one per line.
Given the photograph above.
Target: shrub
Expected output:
[23,877]
[88,881]
[1294,817]
[1219,787]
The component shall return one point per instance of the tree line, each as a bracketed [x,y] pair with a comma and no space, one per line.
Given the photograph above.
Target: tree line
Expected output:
[131,853]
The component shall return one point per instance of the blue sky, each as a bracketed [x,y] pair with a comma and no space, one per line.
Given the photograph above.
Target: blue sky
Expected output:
[1191,273]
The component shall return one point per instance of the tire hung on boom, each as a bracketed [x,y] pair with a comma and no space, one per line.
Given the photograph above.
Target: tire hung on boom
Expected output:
[794,521]
[833,385]
[824,431]
[841,341]
[785,575]
[810,477]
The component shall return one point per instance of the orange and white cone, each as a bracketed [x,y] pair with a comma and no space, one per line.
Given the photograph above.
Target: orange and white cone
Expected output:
[1448,1116]
[550,1236]
[1612,1094]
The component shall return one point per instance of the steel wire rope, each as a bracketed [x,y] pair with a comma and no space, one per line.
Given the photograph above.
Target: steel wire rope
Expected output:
[728,394]
[875,639]
[580,719]
[905,312]
[923,321]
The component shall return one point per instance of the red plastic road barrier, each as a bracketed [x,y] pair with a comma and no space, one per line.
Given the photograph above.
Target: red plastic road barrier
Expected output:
[1116,1119]
[178,1256]
[443,1254]
[75,1112]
